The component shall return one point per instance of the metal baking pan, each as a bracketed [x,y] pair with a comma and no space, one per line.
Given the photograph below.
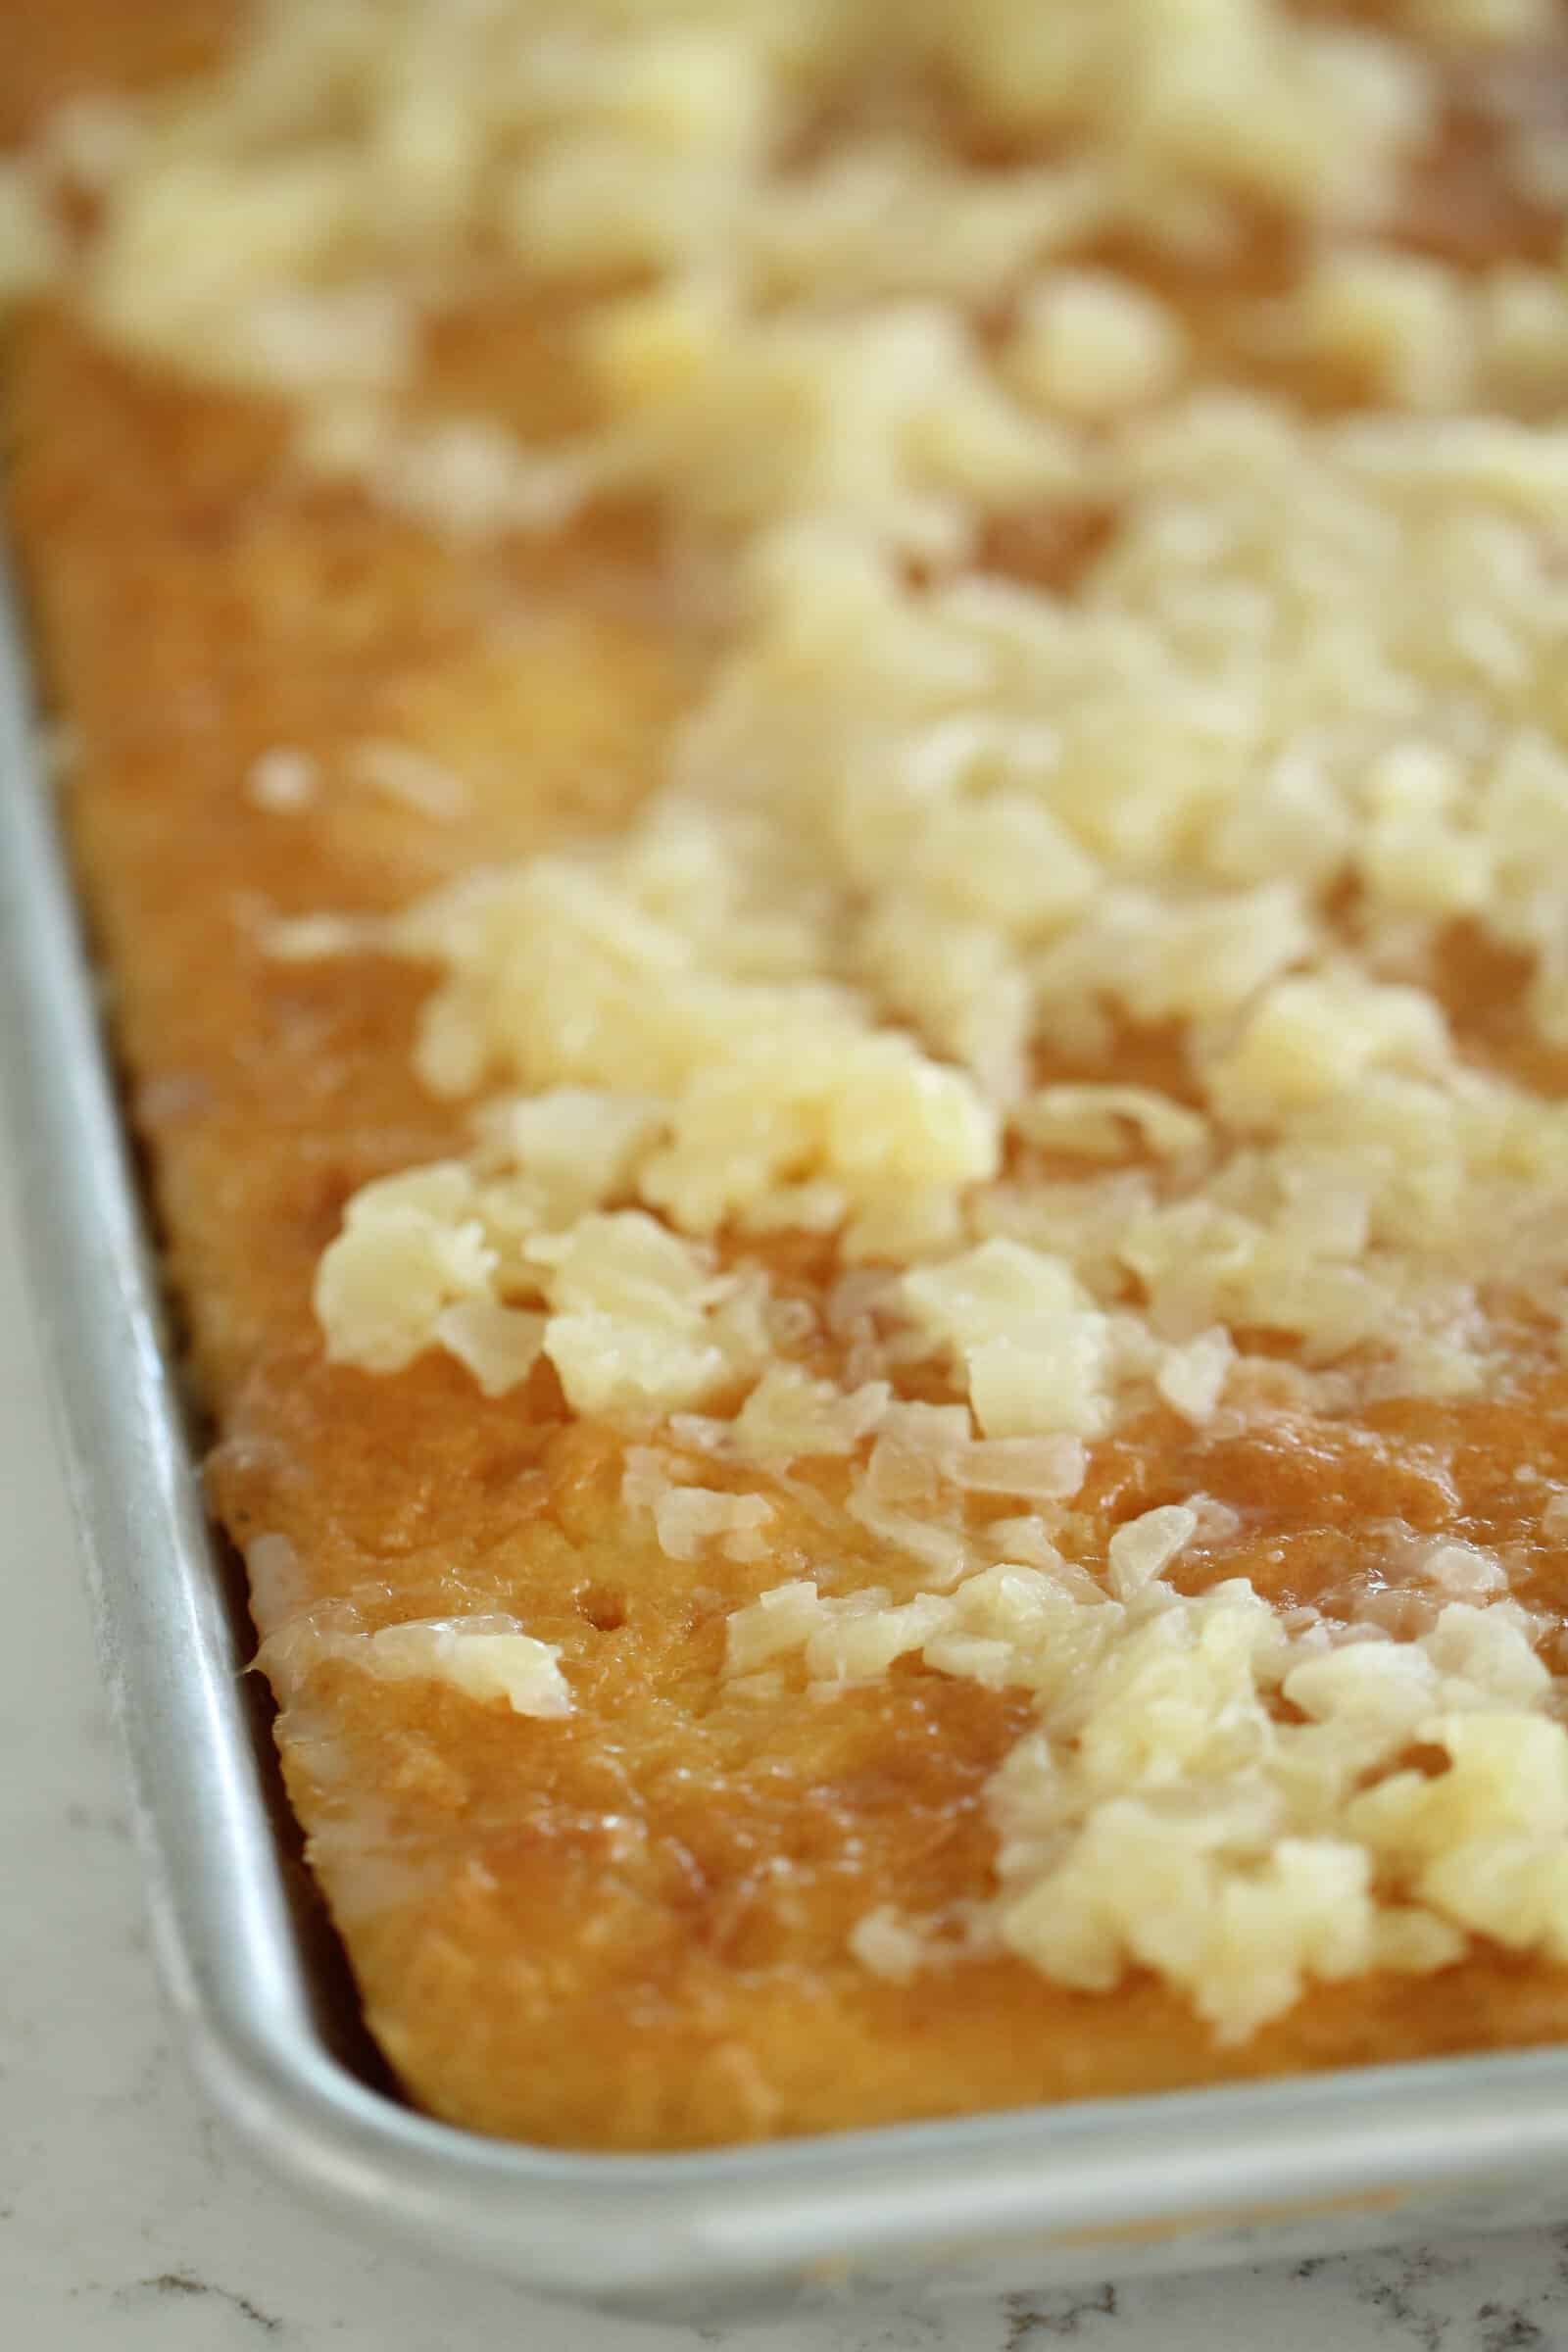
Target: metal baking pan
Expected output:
[262,1993]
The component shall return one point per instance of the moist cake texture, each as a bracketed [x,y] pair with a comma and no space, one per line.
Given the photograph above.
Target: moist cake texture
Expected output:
[819,756]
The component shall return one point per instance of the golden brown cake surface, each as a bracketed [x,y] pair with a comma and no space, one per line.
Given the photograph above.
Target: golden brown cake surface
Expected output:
[631,1926]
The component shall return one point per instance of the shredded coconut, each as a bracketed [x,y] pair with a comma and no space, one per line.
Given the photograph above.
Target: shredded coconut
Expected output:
[1145,1547]
[688,1517]
[1088,344]
[1032,1344]
[484,1658]
[282,780]
[410,777]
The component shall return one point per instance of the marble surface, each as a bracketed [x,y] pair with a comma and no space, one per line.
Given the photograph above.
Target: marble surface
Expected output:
[128,2223]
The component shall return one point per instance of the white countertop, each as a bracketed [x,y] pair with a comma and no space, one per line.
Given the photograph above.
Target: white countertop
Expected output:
[128,2223]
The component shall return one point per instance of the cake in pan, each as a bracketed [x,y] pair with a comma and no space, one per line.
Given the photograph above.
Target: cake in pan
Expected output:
[819,753]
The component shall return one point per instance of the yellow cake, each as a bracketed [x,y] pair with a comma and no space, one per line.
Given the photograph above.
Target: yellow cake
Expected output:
[821,760]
